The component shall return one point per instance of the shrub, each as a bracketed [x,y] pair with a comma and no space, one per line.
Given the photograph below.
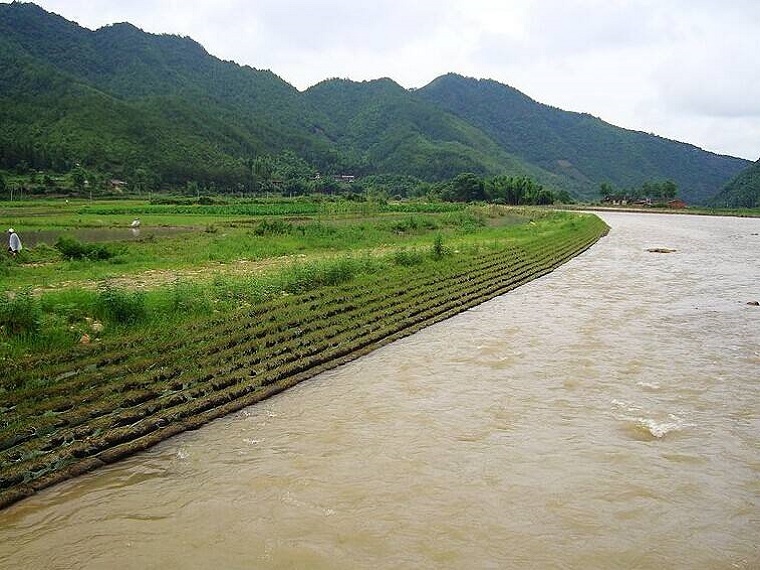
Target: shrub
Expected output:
[20,313]
[119,306]
[413,223]
[71,248]
[438,251]
[273,228]
[340,271]
[407,258]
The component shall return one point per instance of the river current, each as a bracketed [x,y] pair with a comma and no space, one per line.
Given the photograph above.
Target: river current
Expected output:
[604,416]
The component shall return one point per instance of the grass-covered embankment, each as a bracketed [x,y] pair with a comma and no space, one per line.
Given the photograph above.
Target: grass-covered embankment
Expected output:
[69,411]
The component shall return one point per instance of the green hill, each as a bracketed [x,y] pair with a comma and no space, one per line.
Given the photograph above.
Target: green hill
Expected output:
[388,129]
[743,191]
[578,146]
[120,99]
[127,104]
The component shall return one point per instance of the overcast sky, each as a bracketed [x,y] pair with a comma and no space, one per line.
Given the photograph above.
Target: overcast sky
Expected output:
[683,69]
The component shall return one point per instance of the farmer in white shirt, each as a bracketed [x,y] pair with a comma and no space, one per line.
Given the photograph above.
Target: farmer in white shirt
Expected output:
[14,242]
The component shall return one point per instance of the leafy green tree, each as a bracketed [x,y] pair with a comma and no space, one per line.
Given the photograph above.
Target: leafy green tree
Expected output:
[606,190]
[78,178]
[517,191]
[141,180]
[193,188]
[467,187]
[262,172]
[669,190]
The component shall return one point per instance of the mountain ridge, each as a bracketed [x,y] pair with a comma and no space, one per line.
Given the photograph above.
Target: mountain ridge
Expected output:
[742,191]
[163,103]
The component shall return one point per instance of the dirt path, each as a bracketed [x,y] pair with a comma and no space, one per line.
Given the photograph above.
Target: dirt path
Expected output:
[154,278]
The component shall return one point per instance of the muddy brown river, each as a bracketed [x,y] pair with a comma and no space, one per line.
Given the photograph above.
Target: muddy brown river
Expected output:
[604,416]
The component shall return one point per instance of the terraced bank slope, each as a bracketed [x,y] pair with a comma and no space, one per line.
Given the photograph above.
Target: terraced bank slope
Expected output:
[65,414]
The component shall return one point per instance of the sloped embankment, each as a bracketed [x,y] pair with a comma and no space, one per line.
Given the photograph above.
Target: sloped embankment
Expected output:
[65,415]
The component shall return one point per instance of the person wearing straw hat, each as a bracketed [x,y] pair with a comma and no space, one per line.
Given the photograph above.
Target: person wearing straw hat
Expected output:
[14,242]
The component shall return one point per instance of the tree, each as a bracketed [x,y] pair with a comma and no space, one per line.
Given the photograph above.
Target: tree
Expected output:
[467,187]
[141,180]
[193,188]
[606,190]
[3,184]
[669,190]
[78,178]
[262,172]
[517,190]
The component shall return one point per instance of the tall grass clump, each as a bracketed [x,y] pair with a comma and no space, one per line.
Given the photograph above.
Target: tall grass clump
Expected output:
[466,222]
[185,298]
[307,277]
[273,228]
[437,251]
[69,305]
[20,314]
[414,223]
[407,258]
[5,265]
[120,306]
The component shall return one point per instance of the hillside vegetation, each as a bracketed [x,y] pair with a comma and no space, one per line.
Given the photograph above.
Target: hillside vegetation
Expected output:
[741,192]
[159,112]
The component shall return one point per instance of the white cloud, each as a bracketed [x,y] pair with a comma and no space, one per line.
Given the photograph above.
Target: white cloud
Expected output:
[685,69]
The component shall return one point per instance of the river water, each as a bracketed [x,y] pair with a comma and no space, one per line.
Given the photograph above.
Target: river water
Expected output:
[604,416]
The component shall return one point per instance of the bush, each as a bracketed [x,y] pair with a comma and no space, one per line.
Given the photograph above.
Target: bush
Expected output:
[407,258]
[337,272]
[273,228]
[20,314]
[71,248]
[438,251]
[119,306]
[413,224]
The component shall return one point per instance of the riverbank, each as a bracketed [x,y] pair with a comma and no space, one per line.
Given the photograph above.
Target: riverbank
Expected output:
[70,412]
[691,210]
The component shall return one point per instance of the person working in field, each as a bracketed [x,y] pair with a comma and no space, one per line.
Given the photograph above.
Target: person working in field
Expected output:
[14,242]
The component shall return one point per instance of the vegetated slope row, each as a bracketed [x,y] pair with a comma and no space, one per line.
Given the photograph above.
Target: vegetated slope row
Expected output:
[100,404]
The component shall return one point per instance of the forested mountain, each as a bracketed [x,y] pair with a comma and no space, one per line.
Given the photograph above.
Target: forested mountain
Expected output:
[124,103]
[121,100]
[741,192]
[579,146]
[389,129]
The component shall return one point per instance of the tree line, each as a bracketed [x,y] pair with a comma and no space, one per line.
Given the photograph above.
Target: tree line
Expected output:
[284,173]
[649,191]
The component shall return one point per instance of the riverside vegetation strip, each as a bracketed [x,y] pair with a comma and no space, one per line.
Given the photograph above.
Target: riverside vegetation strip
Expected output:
[67,411]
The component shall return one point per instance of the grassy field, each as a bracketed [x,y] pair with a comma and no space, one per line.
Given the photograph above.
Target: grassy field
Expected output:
[220,253]
[100,361]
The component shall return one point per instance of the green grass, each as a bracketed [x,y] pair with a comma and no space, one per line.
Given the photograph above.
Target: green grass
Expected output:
[221,238]
[319,254]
